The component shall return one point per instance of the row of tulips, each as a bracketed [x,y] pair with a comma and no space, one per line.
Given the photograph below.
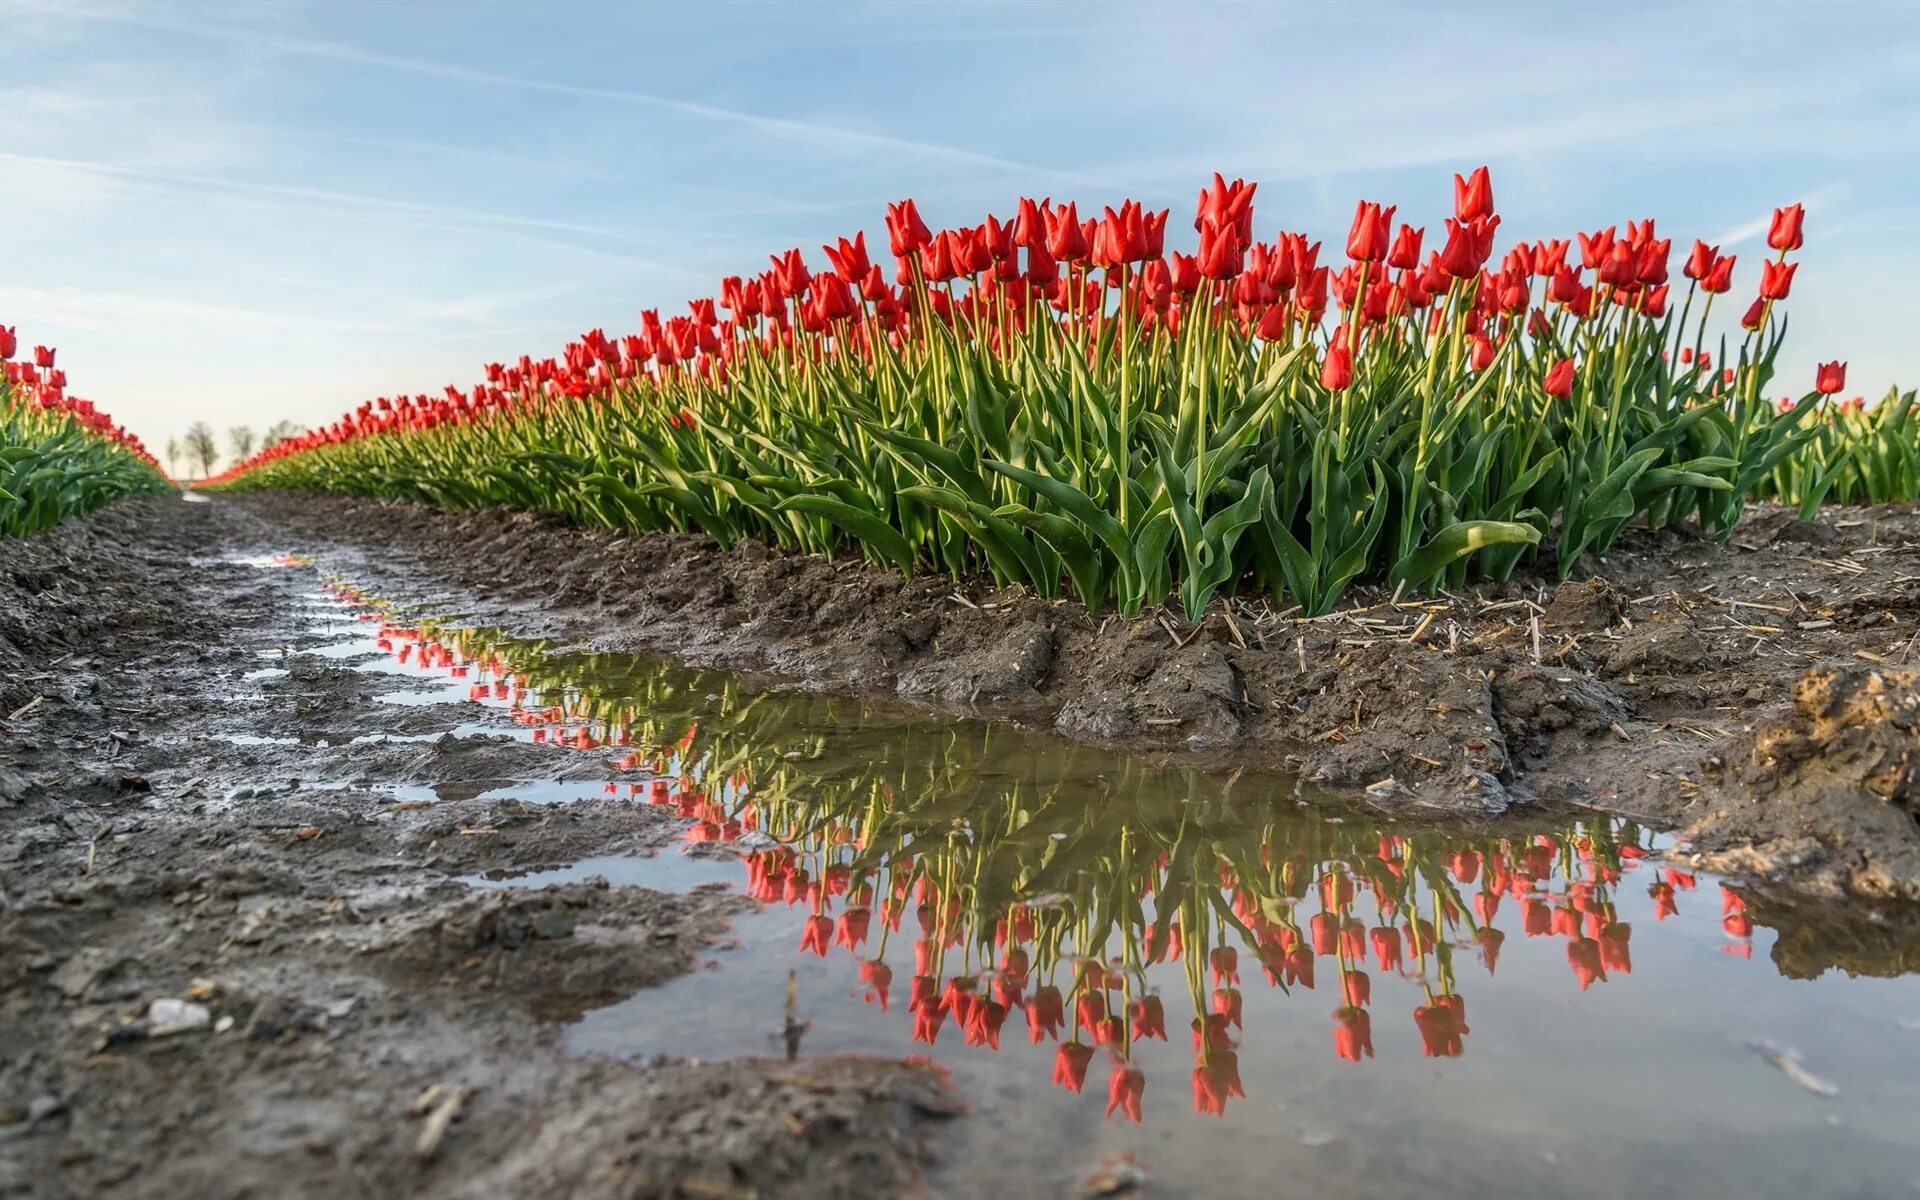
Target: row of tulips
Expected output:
[1064,902]
[1061,401]
[59,455]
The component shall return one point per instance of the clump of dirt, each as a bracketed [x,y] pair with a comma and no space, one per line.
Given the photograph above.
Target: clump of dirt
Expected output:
[1836,778]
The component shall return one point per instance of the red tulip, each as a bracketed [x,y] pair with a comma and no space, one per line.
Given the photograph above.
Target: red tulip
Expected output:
[1559,380]
[1784,231]
[1700,262]
[1756,312]
[1776,279]
[9,341]
[1830,378]
[1124,1090]
[1336,374]
[1405,254]
[1595,247]
[1372,226]
[849,259]
[43,358]
[1473,196]
[1065,241]
[1352,1033]
[1070,1065]
[1720,278]
[906,232]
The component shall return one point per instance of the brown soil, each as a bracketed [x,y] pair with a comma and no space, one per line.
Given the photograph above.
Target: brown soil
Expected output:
[155,844]
[145,854]
[1759,695]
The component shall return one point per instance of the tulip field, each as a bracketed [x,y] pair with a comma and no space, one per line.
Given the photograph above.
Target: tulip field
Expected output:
[59,455]
[1065,404]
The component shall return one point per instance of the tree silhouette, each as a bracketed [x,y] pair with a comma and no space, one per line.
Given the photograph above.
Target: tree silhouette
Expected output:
[201,447]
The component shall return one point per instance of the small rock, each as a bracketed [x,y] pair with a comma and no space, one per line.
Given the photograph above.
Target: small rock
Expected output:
[167,1016]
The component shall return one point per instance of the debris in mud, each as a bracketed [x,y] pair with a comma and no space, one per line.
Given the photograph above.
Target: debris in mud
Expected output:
[1787,1061]
[168,1016]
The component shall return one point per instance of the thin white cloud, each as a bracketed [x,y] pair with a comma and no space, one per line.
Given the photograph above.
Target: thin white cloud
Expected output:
[811,132]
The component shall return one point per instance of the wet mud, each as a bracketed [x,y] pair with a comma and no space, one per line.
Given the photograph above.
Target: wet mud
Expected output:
[1758,695]
[249,943]
[237,960]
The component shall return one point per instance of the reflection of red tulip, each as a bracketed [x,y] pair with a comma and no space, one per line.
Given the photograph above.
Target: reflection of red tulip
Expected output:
[1583,955]
[1487,906]
[1737,924]
[1615,953]
[1046,1013]
[1326,933]
[1215,1078]
[927,1019]
[1300,966]
[1489,940]
[1070,1065]
[1226,964]
[1352,1033]
[1440,1030]
[1124,1090]
[1663,904]
[816,935]
[852,928]
[983,1024]
[1386,948]
[878,977]
[1210,1032]
[1226,1002]
[1091,1009]
[1149,1018]
[1357,988]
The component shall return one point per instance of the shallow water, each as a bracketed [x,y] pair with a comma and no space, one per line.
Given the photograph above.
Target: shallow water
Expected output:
[1535,1006]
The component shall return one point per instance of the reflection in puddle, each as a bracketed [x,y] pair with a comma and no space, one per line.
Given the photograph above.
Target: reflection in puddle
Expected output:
[1219,973]
[668,871]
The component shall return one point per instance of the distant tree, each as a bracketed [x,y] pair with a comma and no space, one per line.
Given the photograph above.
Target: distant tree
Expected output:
[241,438]
[280,431]
[173,457]
[201,447]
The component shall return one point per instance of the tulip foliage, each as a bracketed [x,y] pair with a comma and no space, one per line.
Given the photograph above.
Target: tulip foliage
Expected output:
[1073,900]
[1067,405]
[59,455]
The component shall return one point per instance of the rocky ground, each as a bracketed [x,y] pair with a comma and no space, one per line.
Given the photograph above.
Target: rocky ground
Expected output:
[231,964]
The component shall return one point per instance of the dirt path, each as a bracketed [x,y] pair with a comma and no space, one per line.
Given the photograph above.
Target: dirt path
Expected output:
[340,988]
[164,838]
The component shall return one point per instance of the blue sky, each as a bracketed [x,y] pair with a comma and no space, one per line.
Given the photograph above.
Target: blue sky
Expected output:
[244,212]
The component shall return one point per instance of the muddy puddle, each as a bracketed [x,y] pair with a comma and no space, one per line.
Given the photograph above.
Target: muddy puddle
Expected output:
[1197,982]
